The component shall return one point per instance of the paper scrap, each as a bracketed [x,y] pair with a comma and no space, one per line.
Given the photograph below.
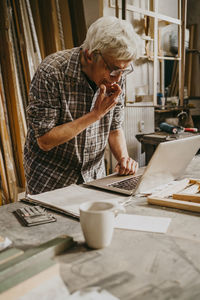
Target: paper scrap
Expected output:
[92,293]
[142,223]
[4,242]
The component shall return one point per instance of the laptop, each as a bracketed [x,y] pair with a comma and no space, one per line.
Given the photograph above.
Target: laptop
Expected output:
[167,164]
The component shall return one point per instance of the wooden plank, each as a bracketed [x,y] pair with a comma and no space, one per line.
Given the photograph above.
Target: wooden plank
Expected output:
[47,25]
[172,203]
[155,60]
[183,27]
[77,21]
[9,254]
[1,192]
[3,180]
[38,25]
[150,13]
[123,9]
[174,79]
[116,9]
[194,181]
[187,197]
[46,250]
[59,24]
[17,18]
[66,24]
[10,186]
[190,59]
[10,90]
[20,85]
[32,46]
[55,22]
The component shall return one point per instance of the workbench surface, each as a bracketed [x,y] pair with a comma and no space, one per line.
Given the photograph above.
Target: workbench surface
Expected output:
[137,265]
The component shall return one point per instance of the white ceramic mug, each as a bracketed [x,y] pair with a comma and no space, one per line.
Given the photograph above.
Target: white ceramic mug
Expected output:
[97,220]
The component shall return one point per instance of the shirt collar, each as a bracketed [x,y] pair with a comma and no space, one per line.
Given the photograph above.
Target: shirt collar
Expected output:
[74,66]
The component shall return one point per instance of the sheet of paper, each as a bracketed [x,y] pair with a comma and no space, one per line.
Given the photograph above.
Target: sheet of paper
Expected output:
[68,199]
[4,242]
[142,223]
[93,293]
[168,189]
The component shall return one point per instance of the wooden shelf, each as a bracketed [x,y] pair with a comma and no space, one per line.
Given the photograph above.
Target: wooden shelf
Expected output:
[170,109]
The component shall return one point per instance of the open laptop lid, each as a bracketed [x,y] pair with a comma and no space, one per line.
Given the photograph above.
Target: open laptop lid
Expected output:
[168,162]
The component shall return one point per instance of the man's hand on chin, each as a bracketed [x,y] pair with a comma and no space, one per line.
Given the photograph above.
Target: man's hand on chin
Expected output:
[126,166]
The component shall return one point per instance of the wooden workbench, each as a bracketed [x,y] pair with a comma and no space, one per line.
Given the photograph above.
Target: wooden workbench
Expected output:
[150,141]
[137,265]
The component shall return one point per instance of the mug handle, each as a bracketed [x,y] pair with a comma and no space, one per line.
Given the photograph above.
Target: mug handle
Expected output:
[118,209]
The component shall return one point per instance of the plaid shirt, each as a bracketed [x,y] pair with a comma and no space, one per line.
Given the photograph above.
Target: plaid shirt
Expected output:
[60,93]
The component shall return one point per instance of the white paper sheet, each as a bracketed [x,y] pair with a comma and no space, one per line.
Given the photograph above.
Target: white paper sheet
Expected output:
[93,293]
[4,242]
[142,223]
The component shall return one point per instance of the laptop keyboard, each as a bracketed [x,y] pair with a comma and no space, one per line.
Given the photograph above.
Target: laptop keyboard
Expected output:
[126,184]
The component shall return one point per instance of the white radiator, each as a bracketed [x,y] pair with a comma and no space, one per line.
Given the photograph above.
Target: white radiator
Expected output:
[137,120]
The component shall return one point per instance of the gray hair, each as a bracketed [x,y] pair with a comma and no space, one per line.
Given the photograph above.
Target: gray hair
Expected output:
[113,36]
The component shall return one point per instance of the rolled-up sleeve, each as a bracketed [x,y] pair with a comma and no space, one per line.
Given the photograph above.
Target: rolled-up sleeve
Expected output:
[43,111]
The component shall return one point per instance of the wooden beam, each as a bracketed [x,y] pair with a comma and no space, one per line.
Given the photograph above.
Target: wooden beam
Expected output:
[8,75]
[3,181]
[116,9]
[190,59]
[187,197]
[49,31]
[66,23]
[185,205]
[182,75]
[77,21]
[7,156]
[123,9]
[21,43]
[38,25]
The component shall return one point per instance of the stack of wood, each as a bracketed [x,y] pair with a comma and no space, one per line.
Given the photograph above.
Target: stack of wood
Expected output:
[190,58]
[174,86]
[29,31]
[184,195]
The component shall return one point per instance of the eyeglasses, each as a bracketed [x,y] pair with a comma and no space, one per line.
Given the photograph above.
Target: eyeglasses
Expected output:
[117,72]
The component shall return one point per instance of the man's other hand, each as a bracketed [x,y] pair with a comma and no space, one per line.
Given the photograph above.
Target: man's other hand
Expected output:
[126,166]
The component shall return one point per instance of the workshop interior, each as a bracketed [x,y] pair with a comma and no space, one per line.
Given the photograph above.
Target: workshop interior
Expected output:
[162,94]
[150,247]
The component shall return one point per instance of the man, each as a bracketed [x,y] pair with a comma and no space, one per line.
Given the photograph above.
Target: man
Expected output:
[76,107]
